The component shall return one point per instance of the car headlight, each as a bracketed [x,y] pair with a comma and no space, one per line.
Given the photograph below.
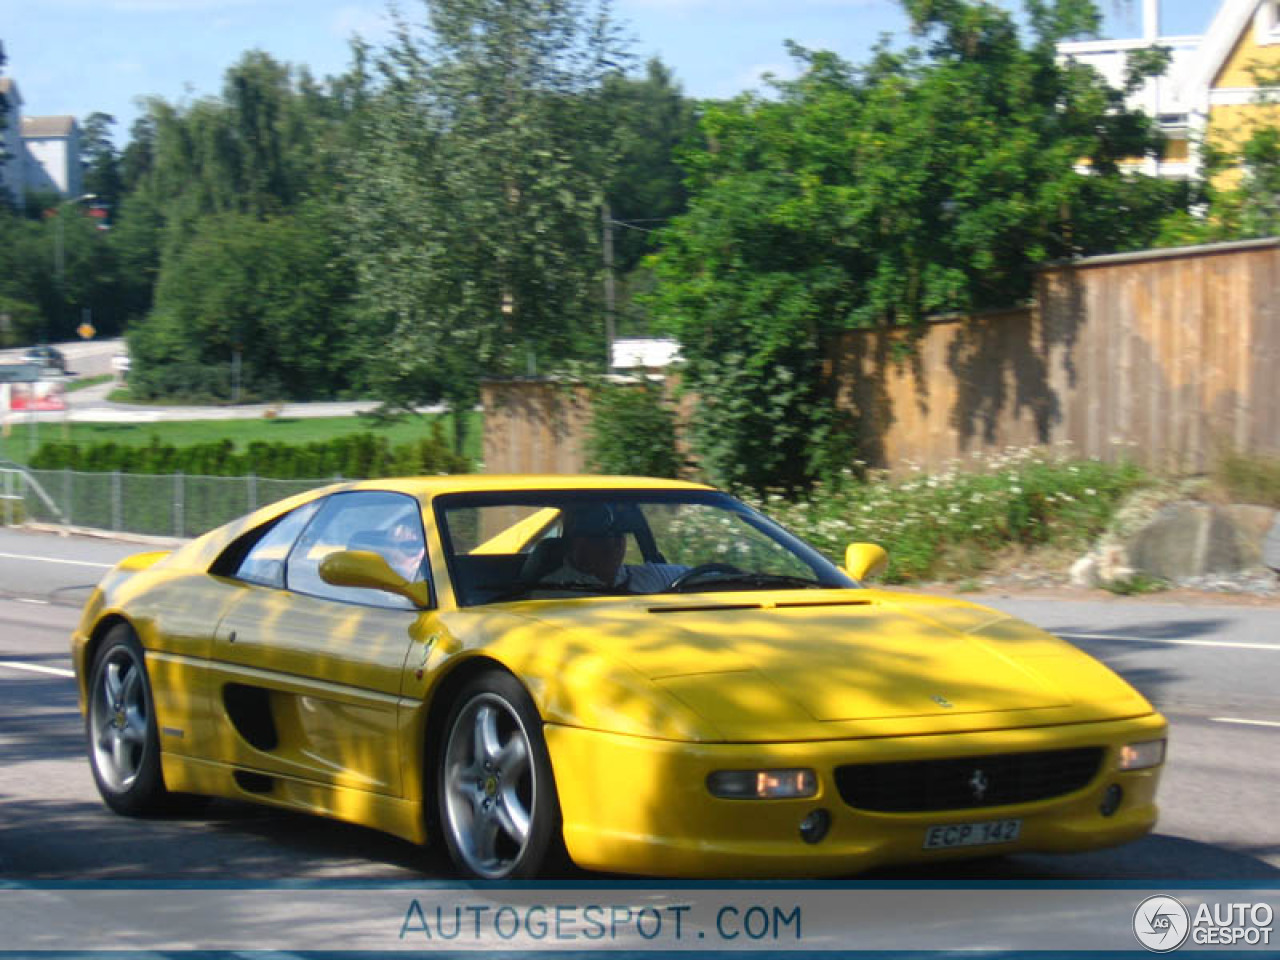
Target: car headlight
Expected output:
[763,784]
[1140,756]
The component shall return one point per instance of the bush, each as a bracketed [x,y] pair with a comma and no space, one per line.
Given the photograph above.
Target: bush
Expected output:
[962,518]
[354,457]
[632,431]
[1250,479]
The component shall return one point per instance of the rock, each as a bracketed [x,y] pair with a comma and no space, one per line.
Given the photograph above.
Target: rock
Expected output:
[1114,565]
[1188,540]
[1253,524]
[1271,546]
[1084,572]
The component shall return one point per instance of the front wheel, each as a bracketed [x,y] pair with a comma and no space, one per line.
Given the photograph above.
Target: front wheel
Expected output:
[496,793]
[124,746]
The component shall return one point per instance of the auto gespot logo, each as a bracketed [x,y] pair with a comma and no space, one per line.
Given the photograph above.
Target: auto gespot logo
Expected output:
[1161,923]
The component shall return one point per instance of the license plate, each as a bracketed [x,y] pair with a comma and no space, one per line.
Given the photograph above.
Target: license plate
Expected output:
[946,835]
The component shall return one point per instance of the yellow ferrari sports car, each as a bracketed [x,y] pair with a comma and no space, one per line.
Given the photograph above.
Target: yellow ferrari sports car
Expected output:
[642,676]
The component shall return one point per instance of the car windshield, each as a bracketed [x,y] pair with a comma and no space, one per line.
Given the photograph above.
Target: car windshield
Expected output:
[526,545]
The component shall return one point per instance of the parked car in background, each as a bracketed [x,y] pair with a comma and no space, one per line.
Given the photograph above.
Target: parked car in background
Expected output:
[51,358]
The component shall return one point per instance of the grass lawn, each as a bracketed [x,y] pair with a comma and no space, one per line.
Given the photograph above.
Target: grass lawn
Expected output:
[23,438]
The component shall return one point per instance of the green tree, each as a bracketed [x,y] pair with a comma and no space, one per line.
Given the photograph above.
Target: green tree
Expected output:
[233,220]
[927,181]
[100,161]
[632,430]
[475,227]
[269,295]
[651,119]
[5,198]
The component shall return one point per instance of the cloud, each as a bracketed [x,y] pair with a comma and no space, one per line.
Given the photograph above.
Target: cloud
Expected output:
[753,78]
[368,22]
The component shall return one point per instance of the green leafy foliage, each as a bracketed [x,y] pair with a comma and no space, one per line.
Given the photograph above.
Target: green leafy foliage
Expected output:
[101,161]
[475,224]
[231,217]
[19,322]
[352,457]
[927,181]
[272,290]
[632,431]
[957,522]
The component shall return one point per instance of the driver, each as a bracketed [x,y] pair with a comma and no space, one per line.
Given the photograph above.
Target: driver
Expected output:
[595,545]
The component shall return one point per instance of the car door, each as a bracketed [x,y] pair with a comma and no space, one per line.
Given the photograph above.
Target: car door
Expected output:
[307,675]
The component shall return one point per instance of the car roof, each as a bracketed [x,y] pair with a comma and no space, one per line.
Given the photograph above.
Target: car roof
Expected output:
[473,483]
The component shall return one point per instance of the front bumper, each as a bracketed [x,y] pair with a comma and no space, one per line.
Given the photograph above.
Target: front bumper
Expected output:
[634,805]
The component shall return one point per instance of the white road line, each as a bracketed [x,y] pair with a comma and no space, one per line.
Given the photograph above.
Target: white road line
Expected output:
[37,668]
[73,563]
[43,603]
[1176,642]
[1247,723]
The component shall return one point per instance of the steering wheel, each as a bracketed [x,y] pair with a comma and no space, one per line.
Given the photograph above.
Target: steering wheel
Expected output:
[700,571]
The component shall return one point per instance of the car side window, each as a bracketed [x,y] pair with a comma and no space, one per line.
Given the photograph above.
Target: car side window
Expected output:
[264,563]
[385,523]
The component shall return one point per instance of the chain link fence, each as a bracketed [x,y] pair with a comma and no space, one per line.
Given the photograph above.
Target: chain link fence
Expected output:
[174,505]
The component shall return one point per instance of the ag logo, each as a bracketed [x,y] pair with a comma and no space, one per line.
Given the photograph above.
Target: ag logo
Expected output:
[1161,924]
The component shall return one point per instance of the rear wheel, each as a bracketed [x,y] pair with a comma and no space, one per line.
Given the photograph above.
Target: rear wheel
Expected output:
[124,746]
[496,794]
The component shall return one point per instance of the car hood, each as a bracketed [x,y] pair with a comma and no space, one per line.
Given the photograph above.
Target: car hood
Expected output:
[801,664]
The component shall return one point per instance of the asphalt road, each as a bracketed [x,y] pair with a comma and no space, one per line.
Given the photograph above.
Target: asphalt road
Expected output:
[1214,670]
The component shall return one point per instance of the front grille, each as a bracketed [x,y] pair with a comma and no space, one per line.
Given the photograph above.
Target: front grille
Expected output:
[961,783]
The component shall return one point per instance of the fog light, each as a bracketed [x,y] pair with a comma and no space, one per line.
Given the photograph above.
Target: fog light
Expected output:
[815,826]
[1140,756]
[763,784]
[1111,800]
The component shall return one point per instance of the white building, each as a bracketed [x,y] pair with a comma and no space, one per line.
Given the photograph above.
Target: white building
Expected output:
[42,153]
[52,154]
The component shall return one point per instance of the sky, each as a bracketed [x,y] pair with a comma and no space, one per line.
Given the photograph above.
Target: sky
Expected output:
[81,56]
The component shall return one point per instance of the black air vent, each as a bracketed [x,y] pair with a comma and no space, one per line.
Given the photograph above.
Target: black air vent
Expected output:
[250,711]
[963,783]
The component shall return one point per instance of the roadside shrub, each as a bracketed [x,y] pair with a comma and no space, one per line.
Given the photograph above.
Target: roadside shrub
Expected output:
[354,457]
[1250,479]
[632,431]
[1022,498]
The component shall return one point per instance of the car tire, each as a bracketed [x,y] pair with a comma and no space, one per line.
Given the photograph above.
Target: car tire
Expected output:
[495,791]
[120,726]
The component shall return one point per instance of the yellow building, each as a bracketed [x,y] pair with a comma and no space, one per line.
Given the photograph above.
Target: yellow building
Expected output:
[1216,88]
[1236,83]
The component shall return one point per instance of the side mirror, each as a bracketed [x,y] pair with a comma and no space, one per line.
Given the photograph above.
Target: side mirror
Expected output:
[865,560]
[370,571]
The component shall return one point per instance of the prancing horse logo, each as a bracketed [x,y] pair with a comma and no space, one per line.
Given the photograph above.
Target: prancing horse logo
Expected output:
[978,784]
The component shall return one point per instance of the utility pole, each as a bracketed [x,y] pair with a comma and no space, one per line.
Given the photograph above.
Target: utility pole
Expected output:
[606,223]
